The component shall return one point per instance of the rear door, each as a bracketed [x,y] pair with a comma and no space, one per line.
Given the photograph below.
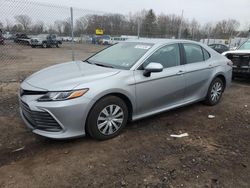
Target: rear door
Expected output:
[163,89]
[198,71]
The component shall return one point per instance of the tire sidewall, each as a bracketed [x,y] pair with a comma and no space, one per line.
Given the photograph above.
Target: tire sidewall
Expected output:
[44,45]
[92,128]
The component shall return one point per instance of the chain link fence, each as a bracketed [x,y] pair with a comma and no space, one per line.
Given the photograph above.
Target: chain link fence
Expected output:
[36,35]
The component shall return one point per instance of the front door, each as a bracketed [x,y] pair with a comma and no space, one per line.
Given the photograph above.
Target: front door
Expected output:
[162,90]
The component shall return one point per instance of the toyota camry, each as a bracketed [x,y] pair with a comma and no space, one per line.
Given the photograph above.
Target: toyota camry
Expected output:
[124,82]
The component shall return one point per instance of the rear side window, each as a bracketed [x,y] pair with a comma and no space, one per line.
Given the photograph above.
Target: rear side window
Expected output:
[206,54]
[193,52]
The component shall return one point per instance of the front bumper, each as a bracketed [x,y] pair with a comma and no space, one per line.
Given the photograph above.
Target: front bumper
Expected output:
[69,115]
[243,71]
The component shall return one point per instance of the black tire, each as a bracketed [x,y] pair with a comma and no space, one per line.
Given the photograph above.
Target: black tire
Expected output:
[212,100]
[57,45]
[32,46]
[44,45]
[97,111]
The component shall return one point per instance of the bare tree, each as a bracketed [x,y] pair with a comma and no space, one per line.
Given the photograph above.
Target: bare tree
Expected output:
[194,27]
[38,27]
[81,25]
[162,21]
[67,27]
[23,20]
[59,26]
[232,26]
[8,25]
[226,28]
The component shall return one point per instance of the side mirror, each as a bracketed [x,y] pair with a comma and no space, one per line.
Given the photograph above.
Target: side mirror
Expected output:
[152,67]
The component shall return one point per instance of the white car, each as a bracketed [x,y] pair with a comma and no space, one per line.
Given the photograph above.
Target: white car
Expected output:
[241,60]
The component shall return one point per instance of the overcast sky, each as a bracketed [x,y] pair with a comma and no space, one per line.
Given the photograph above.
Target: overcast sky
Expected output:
[202,10]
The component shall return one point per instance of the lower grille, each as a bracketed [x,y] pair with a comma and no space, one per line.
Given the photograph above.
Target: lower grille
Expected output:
[40,120]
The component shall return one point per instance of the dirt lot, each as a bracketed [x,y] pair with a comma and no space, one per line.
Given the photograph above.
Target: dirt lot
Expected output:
[215,154]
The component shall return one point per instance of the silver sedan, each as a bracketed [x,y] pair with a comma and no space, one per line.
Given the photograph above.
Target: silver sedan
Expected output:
[124,82]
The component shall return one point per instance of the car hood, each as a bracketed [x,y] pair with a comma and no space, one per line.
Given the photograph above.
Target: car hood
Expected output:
[236,52]
[67,76]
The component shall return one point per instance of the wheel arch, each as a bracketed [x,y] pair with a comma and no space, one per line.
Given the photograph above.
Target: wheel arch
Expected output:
[223,78]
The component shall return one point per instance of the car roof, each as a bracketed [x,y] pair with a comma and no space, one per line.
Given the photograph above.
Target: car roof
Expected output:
[158,42]
[217,44]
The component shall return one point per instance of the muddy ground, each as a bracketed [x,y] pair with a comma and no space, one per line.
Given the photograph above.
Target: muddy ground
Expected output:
[215,154]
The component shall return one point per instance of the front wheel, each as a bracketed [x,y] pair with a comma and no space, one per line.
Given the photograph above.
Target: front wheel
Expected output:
[214,92]
[107,118]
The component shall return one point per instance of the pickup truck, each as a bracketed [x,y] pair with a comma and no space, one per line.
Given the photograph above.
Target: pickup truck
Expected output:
[22,39]
[45,41]
[241,60]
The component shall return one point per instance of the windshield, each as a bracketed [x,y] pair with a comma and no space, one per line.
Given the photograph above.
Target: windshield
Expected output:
[122,55]
[245,46]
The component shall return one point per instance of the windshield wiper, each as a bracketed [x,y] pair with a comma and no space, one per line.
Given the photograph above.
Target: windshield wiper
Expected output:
[102,65]
[98,64]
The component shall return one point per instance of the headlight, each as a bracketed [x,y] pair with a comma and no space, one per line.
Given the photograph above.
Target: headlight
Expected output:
[62,95]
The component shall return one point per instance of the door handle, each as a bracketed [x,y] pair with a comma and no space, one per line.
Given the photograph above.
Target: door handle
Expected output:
[180,72]
[210,66]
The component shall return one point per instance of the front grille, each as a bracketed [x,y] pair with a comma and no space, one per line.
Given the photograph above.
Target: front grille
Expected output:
[40,120]
[239,60]
[29,92]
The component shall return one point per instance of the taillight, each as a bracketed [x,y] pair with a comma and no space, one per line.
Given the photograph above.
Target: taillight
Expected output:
[230,63]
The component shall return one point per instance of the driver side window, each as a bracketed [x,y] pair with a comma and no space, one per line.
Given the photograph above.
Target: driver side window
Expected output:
[168,56]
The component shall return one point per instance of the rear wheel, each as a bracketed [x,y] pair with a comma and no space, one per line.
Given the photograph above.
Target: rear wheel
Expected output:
[44,45]
[214,92]
[107,118]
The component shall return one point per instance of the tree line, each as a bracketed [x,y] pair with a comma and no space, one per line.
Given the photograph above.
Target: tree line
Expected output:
[146,22]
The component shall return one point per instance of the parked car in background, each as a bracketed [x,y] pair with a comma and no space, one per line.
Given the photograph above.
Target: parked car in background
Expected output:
[100,39]
[241,60]
[45,41]
[127,81]
[22,38]
[2,40]
[220,48]
[105,40]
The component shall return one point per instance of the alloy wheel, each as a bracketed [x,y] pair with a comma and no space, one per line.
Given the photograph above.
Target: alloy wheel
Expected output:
[110,119]
[216,91]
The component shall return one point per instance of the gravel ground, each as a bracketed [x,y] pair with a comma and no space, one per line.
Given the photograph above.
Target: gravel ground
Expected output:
[215,154]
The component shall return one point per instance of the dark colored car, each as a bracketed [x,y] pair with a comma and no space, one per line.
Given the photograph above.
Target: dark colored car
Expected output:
[1,40]
[22,38]
[45,41]
[241,60]
[220,48]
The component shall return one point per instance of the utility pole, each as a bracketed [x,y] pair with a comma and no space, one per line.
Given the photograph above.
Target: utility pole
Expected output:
[138,28]
[180,28]
[72,34]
